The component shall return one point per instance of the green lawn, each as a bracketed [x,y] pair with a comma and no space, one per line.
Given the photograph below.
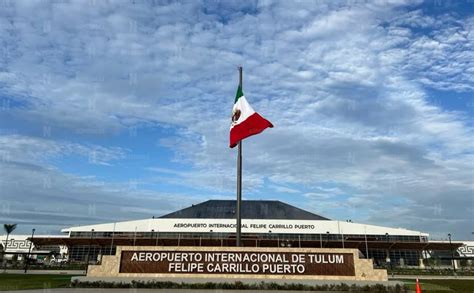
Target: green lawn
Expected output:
[19,281]
[433,286]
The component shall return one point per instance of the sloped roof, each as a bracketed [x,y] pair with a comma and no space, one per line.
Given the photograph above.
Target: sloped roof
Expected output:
[251,209]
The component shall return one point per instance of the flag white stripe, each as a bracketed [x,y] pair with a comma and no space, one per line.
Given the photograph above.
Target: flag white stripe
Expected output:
[245,110]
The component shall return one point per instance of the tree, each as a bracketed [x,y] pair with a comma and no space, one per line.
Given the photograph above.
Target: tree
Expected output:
[8,229]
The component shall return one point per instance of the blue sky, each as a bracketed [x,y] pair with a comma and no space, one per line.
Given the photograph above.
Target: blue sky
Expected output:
[117,110]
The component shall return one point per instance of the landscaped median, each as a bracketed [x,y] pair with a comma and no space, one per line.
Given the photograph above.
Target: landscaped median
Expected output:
[431,272]
[22,282]
[36,281]
[428,286]
[243,286]
[442,285]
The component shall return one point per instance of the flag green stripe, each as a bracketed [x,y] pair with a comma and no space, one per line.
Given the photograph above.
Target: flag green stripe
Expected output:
[239,94]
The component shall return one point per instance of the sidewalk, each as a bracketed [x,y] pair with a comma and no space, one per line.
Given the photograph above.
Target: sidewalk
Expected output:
[47,272]
[430,277]
[134,290]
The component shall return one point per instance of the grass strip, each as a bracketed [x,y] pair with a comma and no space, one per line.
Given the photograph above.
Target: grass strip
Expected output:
[22,282]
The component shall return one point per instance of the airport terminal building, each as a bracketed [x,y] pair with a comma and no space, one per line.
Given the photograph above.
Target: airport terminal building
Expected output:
[264,224]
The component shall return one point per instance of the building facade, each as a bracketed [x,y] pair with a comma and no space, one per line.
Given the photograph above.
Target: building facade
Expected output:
[264,224]
[20,247]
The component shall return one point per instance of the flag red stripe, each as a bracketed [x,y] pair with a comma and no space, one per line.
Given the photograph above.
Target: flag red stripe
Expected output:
[254,124]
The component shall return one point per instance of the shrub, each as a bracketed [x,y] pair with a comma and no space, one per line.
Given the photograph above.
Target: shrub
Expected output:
[378,288]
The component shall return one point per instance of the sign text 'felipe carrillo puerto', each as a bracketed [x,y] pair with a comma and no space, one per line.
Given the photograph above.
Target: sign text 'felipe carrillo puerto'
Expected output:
[237,262]
[227,263]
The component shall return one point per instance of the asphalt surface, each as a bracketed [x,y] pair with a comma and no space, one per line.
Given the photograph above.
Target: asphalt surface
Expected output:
[429,277]
[47,272]
[79,290]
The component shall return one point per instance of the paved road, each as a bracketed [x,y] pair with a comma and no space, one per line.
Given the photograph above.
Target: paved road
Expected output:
[48,272]
[78,290]
[429,277]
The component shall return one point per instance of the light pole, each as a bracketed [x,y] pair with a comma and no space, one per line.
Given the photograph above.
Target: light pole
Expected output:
[388,250]
[92,237]
[343,246]
[152,234]
[29,249]
[135,236]
[89,250]
[452,253]
[157,237]
[112,242]
[366,246]
[210,237]
[341,232]
[327,238]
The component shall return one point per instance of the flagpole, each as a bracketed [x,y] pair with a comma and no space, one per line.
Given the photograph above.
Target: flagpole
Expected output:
[239,181]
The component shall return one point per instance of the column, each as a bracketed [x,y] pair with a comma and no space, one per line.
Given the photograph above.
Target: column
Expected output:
[421,264]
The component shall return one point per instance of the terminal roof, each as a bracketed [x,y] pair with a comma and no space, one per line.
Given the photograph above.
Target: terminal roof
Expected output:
[251,209]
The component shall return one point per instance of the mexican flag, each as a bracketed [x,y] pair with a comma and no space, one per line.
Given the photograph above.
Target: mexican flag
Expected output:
[245,121]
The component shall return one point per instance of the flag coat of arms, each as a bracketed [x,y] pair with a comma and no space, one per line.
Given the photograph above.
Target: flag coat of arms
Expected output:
[245,121]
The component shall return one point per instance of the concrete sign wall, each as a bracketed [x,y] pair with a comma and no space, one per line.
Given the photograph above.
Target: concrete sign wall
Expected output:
[237,262]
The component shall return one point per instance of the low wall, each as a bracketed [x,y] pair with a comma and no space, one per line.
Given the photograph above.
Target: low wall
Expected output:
[230,263]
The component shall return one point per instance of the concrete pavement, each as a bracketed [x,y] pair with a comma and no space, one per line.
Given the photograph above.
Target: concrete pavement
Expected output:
[47,272]
[429,277]
[133,290]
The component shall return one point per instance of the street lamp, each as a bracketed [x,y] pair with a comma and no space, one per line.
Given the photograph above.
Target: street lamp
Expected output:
[112,242]
[366,244]
[452,253]
[92,236]
[135,236]
[157,237]
[29,249]
[89,250]
[388,250]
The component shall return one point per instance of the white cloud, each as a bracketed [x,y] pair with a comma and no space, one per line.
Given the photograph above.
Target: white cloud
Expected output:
[28,149]
[35,193]
[345,87]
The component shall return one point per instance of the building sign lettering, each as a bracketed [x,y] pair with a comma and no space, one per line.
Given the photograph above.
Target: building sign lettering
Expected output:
[237,262]
[245,226]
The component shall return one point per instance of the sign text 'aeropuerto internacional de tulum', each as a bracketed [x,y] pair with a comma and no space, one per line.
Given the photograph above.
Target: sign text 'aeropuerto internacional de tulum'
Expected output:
[237,262]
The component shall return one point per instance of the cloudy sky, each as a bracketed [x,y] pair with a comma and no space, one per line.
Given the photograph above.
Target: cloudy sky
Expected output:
[118,110]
